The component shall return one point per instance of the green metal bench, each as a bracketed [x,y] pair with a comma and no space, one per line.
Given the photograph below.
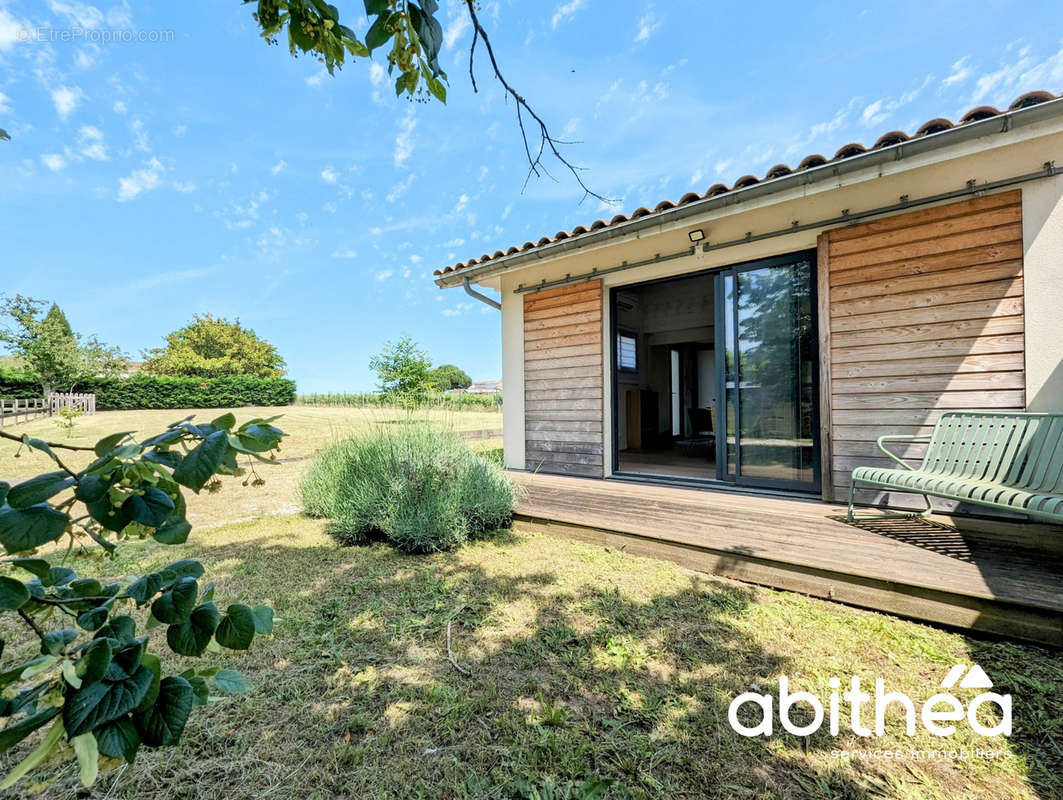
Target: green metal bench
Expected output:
[1011,461]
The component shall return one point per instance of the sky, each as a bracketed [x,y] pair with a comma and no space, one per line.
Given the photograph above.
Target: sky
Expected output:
[185,166]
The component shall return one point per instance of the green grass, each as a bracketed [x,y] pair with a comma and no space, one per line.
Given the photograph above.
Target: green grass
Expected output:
[584,662]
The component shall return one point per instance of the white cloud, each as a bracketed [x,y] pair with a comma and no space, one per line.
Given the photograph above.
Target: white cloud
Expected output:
[141,180]
[400,188]
[384,274]
[66,99]
[457,24]
[960,72]
[1022,75]
[90,143]
[278,168]
[458,242]
[78,15]
[462,204]
[416,259]
[721,166]
[5,103]
[180,130]
[119,107]
[317,78]
[564,11]
[695,179]
[140,136]
[11,30]
[507,210]
[457,310]
[185,187]
[85,58]
[345,254]
[377,76]
[647,25]
[872,114]
[880,110]
[329,175]
[404,139]
[53,161]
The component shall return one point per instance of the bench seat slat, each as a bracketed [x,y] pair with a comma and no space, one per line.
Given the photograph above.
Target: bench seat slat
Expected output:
[1006,460]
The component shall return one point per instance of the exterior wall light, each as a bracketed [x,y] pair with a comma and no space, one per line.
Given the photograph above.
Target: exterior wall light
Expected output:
[696,235]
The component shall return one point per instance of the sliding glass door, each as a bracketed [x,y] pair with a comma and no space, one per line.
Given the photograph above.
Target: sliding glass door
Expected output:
[767,367]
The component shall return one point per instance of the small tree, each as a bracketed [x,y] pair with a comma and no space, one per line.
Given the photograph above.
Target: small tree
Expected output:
[50,351]
[403,370]
[448,376]
[90,676]
[214,347]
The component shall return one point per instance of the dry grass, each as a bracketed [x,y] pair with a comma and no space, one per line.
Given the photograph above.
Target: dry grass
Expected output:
[584,662]
[308,428]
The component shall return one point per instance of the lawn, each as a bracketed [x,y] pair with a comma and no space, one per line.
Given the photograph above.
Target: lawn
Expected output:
[309,428]
[585,663]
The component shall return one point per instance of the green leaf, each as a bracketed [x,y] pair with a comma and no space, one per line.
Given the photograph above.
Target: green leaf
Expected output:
[36,566]
[4,487]
[26,528]
[108,443]
[93,705]
[200,690]
[122,628]
[91,488]
[41,752]
[237,630]
[126,660]
[165,722]
[13,734]
[13,594]
[94,660]
[4,136]
[436,87]
[118,739]
[224,422]
[230,681]
[263,619]
[175,532]
[190,638]
[378,32]
[155,667]
[176,603]
[199,466]
[373,7]
[94,618]
[150,509]
[37,490]
[145,587]
[88,756]
[54,641]
[186,567]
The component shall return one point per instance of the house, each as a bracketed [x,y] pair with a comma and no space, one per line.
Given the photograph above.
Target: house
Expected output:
[763,335]
[484,387]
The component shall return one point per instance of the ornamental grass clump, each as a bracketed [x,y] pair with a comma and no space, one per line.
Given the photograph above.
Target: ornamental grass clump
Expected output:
[421,488]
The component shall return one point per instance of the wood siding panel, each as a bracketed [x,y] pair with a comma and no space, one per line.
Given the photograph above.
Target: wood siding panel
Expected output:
[924,313]
[563,380]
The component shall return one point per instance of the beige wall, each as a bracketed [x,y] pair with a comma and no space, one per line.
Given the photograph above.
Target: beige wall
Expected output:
[1042,240]
[985,160]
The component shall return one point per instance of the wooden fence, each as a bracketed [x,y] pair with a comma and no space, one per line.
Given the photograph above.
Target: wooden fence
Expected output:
[13,410]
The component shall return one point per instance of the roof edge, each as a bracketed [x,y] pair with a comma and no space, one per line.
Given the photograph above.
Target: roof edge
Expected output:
[1002,123]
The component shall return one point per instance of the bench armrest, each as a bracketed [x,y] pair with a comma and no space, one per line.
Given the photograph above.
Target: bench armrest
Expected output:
[901,438]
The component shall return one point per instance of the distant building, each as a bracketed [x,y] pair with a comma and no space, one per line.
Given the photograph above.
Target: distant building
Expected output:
[484,387]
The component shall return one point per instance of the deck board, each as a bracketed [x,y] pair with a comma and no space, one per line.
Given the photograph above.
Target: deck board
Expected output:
[1009,583]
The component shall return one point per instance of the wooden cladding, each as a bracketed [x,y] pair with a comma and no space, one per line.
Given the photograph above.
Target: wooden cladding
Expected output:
[563,380]
[924,314]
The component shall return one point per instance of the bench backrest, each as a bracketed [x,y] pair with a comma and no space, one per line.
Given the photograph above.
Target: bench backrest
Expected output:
[1016,449]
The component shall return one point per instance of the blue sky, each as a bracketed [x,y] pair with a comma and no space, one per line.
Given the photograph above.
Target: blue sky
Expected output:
[207,172]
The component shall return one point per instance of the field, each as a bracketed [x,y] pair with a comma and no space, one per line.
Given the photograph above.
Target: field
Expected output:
[585,664]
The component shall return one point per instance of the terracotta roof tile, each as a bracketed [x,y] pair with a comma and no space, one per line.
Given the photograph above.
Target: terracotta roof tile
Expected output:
[889,139]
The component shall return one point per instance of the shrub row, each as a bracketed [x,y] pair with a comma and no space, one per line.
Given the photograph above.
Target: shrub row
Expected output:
[372,399]
[422,489]
[153,391]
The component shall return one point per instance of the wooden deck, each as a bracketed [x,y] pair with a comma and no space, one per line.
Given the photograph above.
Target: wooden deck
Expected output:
[1005,580]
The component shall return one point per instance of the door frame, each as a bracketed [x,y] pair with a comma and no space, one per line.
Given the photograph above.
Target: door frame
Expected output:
[802,487]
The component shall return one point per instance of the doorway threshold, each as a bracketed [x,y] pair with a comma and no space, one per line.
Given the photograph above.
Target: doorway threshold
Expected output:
[708,484]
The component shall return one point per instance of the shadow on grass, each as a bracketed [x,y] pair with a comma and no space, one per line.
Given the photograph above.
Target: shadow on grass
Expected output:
[577,671]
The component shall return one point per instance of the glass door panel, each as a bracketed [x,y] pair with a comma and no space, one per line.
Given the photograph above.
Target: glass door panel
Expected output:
[768,373]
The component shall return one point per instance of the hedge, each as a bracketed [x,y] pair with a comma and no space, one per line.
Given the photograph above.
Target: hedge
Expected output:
[152,391]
